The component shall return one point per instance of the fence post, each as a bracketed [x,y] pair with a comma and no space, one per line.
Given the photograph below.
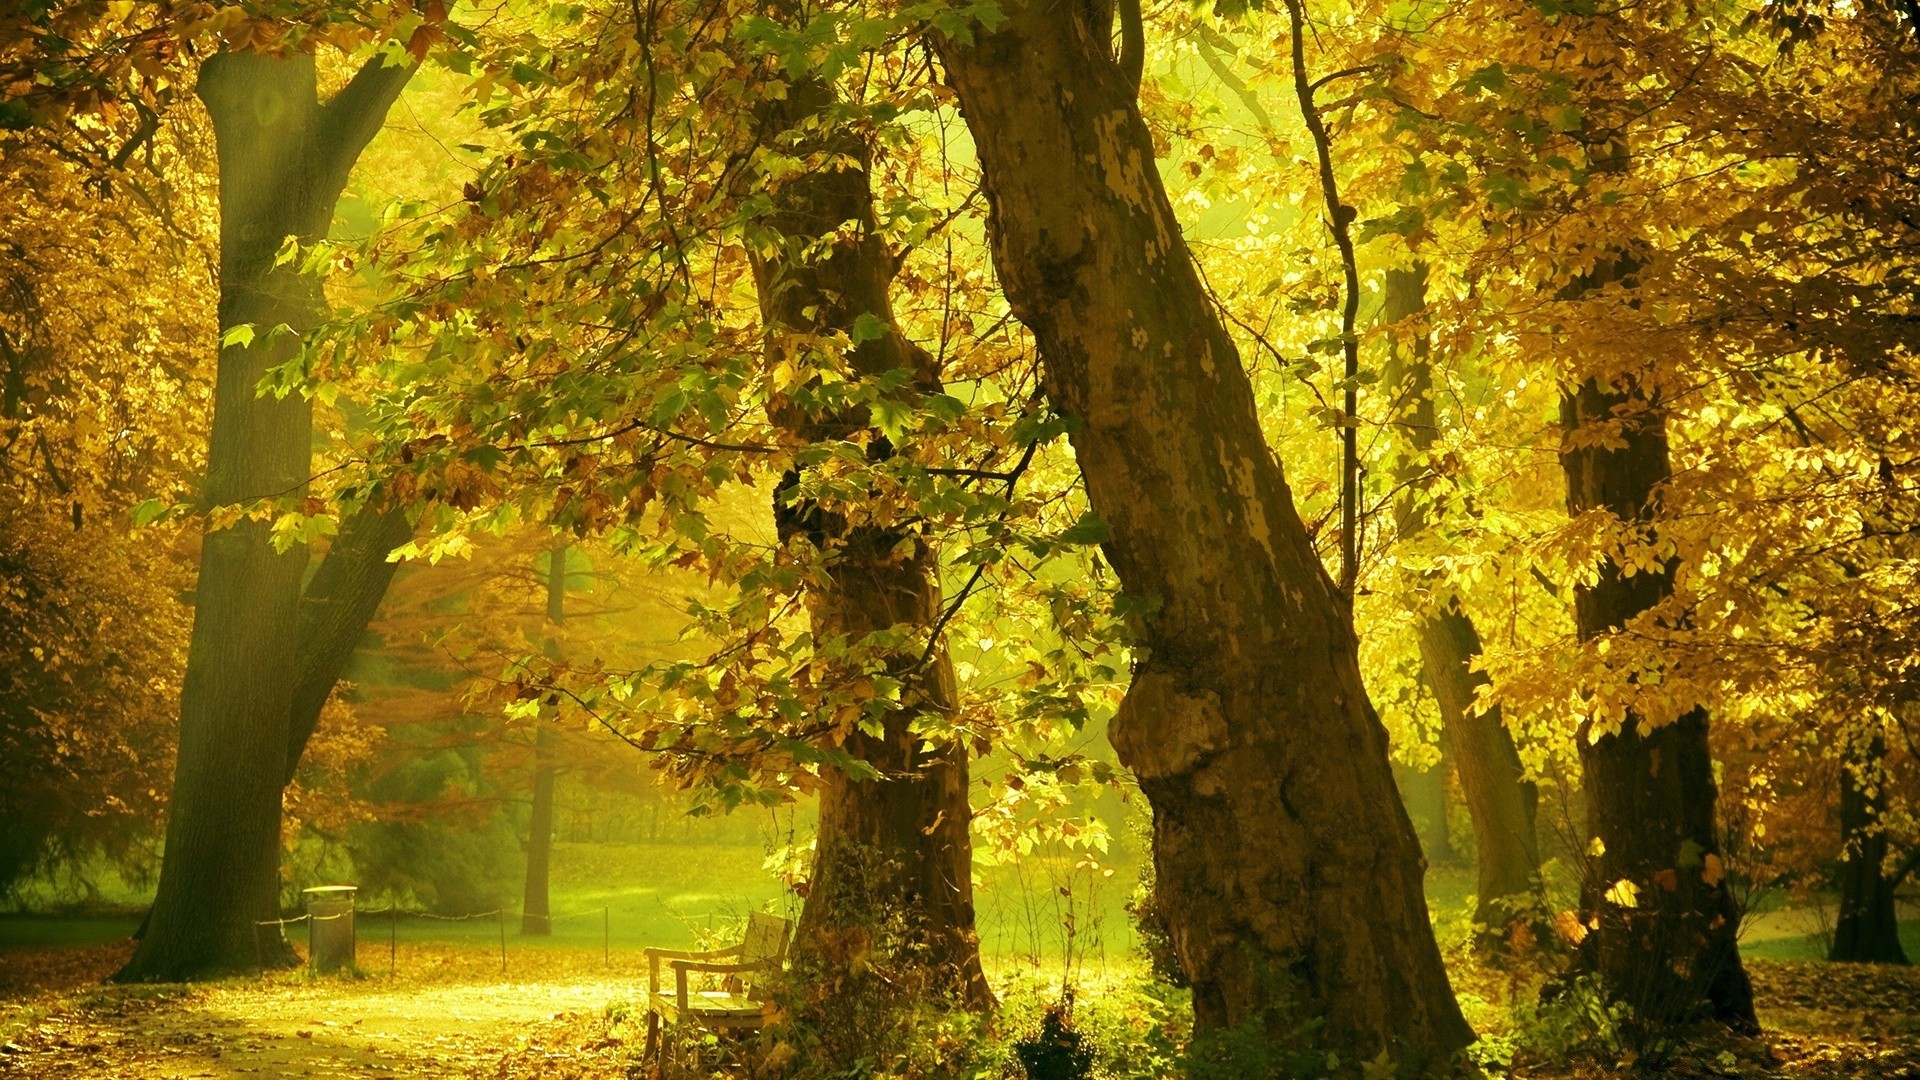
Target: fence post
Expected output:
[393,939]
[606,939]
[503,939]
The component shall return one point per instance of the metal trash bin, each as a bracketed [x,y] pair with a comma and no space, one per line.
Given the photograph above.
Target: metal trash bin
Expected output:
[330,927]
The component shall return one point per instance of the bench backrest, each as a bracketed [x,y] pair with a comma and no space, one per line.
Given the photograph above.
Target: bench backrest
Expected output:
[766,940]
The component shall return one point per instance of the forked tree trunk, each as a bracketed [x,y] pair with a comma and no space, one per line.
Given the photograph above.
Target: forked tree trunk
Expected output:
[898,847]
[1868,930]
[283,161]
[1288,872]
[1664,943]
[1501,801]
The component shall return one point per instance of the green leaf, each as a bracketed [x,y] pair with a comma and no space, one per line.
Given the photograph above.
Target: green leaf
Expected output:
[1090,529]
[241,335]
[891,417]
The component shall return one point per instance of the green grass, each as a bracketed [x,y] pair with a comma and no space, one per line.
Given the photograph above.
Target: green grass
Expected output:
[1812,947]
[633,895]
[20,931]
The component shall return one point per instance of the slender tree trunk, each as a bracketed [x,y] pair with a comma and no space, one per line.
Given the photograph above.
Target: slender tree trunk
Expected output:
[898,846]
[1869,926]
[1424,791]
[1287,869]
[535,911]
[535,906]
[283,160]
[1501,801]
[1665,942]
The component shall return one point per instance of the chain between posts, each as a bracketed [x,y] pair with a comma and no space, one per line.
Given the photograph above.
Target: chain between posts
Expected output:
[394,912]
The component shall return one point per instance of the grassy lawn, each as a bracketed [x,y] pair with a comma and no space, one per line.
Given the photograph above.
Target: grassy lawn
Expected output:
[626,897]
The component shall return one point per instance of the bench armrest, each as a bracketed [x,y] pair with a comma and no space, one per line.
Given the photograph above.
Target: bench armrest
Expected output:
[682,967]
[654,956]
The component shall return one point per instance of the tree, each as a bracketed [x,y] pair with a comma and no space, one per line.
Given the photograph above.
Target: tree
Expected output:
[534,908]
[1501,801]
[104,267]
[893,840]
[1663,925]
[284,158]
[1286,867]
[1868,927]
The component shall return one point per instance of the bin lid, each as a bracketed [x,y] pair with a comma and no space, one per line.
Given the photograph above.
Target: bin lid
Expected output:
[334,890]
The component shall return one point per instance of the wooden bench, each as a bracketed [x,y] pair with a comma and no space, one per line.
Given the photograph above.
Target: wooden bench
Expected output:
[739,1003]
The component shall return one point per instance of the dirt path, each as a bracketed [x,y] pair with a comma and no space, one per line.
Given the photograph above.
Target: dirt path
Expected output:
[448,1022]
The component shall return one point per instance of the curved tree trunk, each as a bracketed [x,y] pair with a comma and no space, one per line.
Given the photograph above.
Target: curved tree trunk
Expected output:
[897,846]
[1869,927]
[1287,870]
[283,160]
[1672,953]
[1501,801]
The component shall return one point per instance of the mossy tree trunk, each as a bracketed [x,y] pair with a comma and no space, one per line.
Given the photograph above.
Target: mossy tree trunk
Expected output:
[1287,870]
[897,846]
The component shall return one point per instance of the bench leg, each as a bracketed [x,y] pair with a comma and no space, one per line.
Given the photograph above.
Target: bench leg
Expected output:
[652,1052]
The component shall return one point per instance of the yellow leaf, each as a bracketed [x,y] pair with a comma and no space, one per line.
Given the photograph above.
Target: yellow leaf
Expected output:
[1624,893]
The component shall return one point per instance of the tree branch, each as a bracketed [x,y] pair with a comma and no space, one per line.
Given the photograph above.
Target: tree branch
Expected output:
[1339,221]
[354,116]
[334,611]
[1132,61]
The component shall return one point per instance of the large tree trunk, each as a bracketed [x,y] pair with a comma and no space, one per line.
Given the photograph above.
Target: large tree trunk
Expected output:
[1288,872]
[1671,953]
[899,846]
[283,160]
[1869,926]
[1501,801]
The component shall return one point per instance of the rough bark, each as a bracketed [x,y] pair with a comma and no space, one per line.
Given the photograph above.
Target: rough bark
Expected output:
[1501,801]
[897,847]
[1672,955]
[283,159]
[1287,869]
[1868,930]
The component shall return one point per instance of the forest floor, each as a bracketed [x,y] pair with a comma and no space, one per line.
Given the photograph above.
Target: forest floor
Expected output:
[566,1014]
[450,1014]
